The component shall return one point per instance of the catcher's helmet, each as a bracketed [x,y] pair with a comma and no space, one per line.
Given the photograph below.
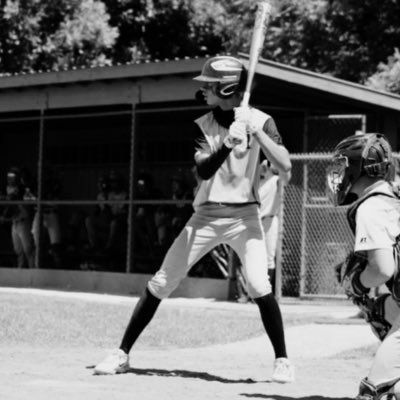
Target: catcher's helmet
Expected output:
[227,71]
[366,154]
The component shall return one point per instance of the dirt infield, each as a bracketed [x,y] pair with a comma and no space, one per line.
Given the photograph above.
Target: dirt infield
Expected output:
[327,367]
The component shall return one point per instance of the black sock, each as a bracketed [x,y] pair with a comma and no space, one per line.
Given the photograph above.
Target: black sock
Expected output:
[142,315]
[272,320]
[271,274]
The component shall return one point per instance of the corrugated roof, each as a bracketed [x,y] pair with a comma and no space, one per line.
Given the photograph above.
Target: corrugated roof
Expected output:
[327,84]
[123,71]
[188,65]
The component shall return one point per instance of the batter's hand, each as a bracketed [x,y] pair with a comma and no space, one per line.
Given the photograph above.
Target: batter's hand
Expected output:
[243,114]
[237,134]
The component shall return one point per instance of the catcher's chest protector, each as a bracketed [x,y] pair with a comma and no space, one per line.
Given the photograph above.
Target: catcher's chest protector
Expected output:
[394,283]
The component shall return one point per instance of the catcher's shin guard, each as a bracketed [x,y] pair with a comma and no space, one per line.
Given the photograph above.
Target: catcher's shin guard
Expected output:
[395,391]
[368,391]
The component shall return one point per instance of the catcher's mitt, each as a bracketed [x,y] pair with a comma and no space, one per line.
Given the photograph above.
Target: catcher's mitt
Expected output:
[348,275]
[374,313]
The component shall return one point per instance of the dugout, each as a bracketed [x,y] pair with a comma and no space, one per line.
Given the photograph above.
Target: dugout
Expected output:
[70,129]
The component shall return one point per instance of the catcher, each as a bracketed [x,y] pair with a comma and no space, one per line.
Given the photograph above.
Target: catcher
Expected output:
[358,177]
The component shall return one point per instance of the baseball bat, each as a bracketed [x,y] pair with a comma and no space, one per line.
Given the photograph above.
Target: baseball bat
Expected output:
[260,27]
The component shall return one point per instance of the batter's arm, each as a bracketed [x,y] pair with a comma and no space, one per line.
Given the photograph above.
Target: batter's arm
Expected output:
[207,164]
[271,144]
[285,177]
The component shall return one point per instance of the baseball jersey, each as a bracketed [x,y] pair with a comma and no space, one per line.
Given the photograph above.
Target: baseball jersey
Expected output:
[377,220]
[237,180]
[269,195]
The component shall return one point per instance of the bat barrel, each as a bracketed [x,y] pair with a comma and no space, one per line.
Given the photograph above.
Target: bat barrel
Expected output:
[257,40]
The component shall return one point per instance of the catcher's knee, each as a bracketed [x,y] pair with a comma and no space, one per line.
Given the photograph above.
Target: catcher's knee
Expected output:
[368,391]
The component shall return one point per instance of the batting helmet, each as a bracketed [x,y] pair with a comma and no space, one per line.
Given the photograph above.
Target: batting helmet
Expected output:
[366,154]
[227,71]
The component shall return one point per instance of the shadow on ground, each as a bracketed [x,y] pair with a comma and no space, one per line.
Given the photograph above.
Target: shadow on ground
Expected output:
[188,374]
[279,397]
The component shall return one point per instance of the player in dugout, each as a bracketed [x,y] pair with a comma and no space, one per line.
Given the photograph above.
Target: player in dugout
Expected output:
[226,208]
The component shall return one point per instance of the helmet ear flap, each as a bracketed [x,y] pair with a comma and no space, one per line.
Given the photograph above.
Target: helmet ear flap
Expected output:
[377,157]
[228,89]
[243,80]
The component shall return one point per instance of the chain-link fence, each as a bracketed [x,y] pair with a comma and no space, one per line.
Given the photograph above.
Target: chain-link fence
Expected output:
[316,235]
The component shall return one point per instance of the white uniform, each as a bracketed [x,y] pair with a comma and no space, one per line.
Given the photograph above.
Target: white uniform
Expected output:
[226,211]
[377,226]
[270,197]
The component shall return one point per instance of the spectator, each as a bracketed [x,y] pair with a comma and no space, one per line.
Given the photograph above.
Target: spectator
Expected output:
[98,221]
[163,226]
[148,224]
[170,219]
[107,220]
[20,217]
[119,212]
[50,216]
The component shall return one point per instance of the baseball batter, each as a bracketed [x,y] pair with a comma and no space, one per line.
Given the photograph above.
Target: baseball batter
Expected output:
[226,208]
[358,178]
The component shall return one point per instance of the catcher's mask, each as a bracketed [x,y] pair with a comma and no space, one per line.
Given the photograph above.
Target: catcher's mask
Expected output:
[358,155]
[228,72]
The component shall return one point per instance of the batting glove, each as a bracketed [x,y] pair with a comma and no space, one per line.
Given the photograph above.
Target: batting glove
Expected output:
[244,114]
[236,136]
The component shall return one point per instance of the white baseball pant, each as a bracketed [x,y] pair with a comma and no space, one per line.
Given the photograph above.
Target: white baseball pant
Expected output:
[238,226]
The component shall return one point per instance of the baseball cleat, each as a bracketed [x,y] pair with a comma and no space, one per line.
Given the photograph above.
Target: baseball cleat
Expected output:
[117,362]
[283,371]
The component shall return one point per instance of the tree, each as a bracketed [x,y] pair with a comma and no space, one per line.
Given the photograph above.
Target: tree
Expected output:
[362,34]
[53,34]
[295,34]
[82,38]
[165,29]
[343,38]
[387,77]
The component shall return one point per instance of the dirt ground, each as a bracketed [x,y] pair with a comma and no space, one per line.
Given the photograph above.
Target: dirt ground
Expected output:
[184,374]
[233,371]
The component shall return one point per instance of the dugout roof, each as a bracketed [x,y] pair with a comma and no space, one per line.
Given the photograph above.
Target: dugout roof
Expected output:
[187,67]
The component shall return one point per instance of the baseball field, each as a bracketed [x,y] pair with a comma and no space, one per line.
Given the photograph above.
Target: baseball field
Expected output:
[193,349]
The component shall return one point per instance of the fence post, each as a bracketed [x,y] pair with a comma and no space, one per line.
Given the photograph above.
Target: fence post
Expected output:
[303,231]
[130,233]
[39,210]
[278,257]
[232,276]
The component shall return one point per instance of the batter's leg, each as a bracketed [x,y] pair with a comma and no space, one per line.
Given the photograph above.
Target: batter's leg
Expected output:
[195,240]
[250,247]
[143,313]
